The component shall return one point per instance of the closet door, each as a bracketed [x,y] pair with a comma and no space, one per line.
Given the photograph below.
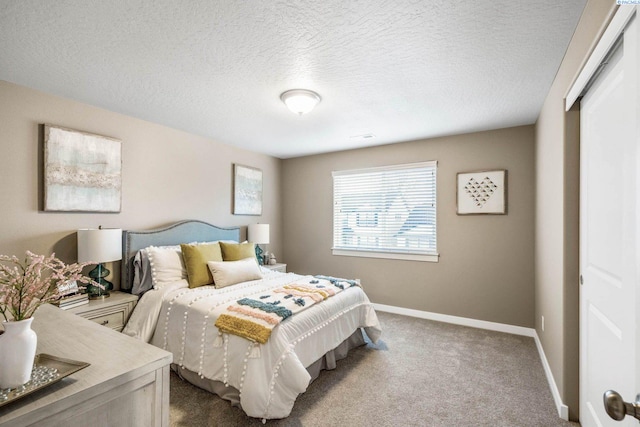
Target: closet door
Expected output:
[609,239]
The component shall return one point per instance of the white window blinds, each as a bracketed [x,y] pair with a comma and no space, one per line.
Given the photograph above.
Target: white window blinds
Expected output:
[389,209]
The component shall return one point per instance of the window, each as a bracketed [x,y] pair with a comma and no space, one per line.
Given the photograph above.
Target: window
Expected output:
[367,219]
[386,212]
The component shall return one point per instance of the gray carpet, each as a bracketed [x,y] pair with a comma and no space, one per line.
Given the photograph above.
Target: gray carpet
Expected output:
[421,373]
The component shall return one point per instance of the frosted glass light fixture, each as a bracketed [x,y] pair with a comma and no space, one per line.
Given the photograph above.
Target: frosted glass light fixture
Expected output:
[300,101]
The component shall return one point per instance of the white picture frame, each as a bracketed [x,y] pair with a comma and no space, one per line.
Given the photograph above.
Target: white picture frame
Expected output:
[482,192]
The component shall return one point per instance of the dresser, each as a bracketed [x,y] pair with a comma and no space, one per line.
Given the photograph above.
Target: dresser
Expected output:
[127,383]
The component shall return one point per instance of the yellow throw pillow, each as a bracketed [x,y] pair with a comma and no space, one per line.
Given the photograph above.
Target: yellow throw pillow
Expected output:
[229,273]
[237,251]
[195,260]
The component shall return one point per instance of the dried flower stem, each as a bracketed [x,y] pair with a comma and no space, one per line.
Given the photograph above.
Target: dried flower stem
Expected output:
[26,286]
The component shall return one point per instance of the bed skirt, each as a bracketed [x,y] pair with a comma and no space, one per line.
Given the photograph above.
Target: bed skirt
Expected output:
[328,362]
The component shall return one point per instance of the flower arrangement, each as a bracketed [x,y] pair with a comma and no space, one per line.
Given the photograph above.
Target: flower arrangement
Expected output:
[25,286]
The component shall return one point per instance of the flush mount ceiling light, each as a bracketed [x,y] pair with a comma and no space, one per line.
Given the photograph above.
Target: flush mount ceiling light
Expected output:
[300,101]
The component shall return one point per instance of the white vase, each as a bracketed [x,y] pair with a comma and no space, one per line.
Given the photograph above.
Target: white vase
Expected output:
[17,351]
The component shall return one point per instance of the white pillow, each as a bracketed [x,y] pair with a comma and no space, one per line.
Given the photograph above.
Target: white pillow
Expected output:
[227,273]
[167,265]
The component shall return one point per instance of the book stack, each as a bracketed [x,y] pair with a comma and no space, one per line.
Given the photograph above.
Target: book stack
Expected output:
[72,300]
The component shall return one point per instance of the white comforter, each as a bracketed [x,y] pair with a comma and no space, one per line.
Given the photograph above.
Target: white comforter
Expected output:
[181,320]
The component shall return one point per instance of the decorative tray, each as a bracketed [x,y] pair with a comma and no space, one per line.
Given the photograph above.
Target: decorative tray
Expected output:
[47,370]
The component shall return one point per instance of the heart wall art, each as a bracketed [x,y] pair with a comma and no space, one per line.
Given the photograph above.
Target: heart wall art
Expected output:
[482,193]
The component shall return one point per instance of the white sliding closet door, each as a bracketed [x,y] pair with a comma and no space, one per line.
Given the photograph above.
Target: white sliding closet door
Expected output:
[609,234]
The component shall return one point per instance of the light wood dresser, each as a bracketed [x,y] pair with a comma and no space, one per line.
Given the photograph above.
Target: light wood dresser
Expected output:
[127,383]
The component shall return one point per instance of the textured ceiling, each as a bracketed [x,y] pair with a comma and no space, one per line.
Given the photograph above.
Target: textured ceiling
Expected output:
[401,70]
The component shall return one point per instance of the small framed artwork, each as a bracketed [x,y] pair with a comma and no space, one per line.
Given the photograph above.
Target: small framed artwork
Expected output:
[247,190]
[482,193]
[68,288]
[82,171]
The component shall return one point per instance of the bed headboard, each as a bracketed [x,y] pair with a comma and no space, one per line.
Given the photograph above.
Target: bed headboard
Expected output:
[180,232]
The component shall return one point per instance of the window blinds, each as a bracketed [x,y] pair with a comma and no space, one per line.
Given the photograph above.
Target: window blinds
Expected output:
[389,209]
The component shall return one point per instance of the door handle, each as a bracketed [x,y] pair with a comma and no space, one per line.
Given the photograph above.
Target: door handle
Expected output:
[617,408]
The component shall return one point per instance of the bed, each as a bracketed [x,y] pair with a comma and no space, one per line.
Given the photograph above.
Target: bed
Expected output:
[261,376]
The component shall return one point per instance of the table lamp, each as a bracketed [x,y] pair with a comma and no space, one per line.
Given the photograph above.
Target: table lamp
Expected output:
[258,234]
[97,246]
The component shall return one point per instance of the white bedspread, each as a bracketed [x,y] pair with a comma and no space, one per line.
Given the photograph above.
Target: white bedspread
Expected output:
[181,320]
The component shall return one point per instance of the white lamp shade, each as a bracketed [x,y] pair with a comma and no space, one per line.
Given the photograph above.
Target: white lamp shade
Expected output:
[99,244]
[300,101]
[258,233]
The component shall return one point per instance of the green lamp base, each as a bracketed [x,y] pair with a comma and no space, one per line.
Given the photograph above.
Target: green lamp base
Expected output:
[259,253]
[98,274]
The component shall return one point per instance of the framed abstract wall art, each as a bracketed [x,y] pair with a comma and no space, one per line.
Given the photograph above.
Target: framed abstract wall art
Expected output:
[247,190]
[482,193]
[82,171]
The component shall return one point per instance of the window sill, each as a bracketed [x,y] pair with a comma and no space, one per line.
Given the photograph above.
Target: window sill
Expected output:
[387,255]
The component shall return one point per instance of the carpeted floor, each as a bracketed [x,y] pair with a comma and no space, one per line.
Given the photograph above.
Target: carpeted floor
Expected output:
[421,373]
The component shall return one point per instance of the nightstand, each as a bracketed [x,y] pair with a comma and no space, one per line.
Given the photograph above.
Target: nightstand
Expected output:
[112,312]
[282,268]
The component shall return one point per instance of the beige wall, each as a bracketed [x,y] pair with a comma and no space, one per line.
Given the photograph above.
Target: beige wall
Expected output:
[557,174]
[168,175]
[486,262]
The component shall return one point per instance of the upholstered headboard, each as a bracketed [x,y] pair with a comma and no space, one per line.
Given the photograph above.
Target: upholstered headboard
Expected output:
[180,232]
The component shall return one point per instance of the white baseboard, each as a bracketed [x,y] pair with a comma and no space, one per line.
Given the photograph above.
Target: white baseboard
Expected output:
[563,410]
[463,321]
